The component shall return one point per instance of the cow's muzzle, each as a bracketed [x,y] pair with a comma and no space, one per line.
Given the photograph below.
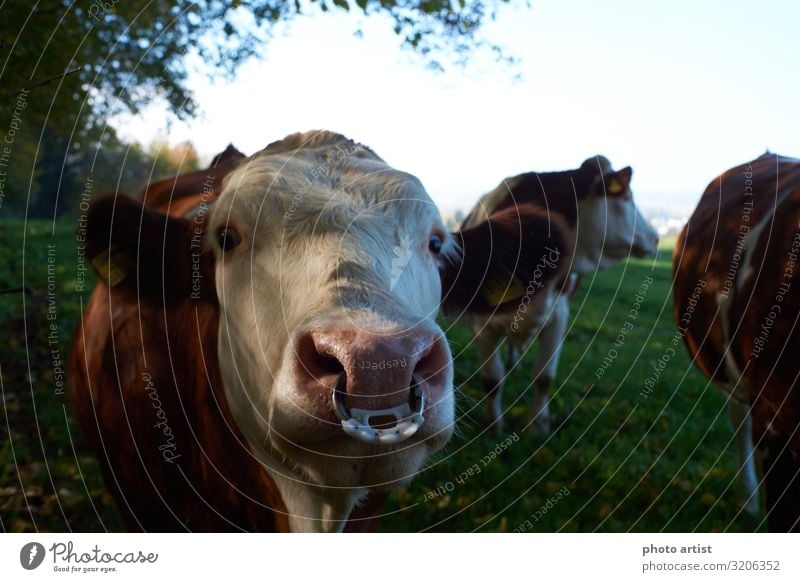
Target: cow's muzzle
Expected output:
[647,247]
[407,417]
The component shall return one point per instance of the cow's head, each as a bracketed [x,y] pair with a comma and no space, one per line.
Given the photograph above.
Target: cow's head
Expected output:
[610,226]
[328,276]
[329,268]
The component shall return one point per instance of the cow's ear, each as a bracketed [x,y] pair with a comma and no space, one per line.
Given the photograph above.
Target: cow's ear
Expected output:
[146,255]
[516,252]
[617,184]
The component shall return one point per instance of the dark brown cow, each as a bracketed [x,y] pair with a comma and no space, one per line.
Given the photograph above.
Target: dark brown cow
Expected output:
[272,360]
[737,300]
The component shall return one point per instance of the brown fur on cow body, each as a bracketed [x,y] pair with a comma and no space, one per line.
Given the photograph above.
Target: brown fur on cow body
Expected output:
[541,231]
[556,193]
[209,480]
[706,252]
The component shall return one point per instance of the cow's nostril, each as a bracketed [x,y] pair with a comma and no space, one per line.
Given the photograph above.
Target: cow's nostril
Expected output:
[316,362]
[329,364]
[433,363]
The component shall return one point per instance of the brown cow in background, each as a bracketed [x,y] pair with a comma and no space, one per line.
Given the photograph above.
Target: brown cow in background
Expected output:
[592,207]
[737,302]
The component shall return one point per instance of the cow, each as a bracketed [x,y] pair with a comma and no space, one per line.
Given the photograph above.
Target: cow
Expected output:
[271,359]
[592,208]
[736,300]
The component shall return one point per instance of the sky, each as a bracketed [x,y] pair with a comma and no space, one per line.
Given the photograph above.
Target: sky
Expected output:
[679,90]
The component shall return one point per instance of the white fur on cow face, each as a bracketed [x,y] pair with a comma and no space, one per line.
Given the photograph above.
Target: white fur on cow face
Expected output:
[320,234]
[609,230]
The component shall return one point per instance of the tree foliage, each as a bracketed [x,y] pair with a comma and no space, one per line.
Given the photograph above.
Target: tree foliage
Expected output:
[119,55]
[67,65]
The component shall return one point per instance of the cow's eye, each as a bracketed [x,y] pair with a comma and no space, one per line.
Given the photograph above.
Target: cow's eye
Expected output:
[435,244]
[228,238]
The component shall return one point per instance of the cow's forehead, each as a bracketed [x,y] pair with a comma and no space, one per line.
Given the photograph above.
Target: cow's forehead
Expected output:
[321,184]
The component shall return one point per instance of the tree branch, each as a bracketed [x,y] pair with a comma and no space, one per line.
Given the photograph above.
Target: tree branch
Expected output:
[11,96]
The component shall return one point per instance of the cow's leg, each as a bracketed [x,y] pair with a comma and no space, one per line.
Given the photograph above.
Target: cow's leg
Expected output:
[743,428]
[782,488]
[551,340]
[493,377]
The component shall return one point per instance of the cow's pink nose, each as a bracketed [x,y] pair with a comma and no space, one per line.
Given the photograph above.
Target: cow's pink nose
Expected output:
[374,372]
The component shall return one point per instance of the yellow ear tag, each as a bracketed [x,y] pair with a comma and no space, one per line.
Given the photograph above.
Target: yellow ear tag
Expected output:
[614,187]
[114,269]
[498,293]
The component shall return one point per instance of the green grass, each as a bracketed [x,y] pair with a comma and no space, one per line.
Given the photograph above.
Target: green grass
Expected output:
[629,462]
[48,479]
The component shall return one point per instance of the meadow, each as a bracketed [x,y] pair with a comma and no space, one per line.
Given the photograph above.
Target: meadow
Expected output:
[641,442]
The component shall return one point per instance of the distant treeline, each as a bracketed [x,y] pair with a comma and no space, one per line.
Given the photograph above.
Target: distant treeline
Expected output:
[43,174]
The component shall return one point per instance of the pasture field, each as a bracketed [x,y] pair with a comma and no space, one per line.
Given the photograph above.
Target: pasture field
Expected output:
[638,446]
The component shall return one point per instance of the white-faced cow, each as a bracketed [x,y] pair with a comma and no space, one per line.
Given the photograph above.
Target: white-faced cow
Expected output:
[737,300]
[271,358]
[592,209]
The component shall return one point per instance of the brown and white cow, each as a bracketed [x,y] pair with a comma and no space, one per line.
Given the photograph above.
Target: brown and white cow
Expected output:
[270,359]
[592,209]
[737,300]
